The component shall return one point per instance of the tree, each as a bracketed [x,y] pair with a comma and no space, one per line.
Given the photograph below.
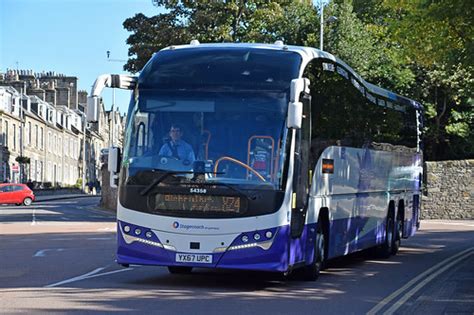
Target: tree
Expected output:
[217,21]
[366,49]
[436,39]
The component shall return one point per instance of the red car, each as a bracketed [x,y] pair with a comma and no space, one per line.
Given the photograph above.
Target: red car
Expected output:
[17,194]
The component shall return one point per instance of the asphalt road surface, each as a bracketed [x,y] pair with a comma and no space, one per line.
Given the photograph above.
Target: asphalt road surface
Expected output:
[58,257]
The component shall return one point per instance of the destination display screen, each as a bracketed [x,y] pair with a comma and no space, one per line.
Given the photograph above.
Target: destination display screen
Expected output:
[201,203]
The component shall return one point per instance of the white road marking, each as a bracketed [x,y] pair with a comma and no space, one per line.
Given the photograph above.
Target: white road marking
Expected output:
[75,278]
[42,253]
[108,273]
[415,280]
[410,293]
[92,274]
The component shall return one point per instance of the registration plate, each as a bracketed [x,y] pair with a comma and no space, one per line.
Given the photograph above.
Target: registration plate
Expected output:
[194,258]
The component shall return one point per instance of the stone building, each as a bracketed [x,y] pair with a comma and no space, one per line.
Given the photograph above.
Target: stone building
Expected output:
[42,128]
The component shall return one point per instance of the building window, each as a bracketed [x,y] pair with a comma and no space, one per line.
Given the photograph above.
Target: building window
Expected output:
[6,133]
[41,138]
[29,133]
[40,177]
[14,137]
[48,145]
[36,136]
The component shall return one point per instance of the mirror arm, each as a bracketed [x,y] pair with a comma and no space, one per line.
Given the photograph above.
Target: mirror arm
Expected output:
[119,81]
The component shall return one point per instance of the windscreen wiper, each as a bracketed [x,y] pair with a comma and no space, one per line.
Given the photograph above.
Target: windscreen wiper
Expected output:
[158,180]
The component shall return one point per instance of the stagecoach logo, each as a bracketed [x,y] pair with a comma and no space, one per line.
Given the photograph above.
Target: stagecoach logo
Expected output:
[177,225]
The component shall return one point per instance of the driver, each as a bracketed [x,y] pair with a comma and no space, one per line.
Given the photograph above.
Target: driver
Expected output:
[177,148]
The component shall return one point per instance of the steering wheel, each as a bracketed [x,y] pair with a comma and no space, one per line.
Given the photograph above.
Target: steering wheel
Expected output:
[228,158]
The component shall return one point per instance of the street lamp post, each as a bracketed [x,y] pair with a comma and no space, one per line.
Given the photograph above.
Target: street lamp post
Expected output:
[84,164]
[321,27]
[330,19]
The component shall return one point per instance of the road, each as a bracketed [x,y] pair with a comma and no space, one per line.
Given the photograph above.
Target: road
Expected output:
[58,257]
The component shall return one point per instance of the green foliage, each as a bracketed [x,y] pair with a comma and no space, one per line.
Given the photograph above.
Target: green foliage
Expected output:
[217,21]
[78,183]
[435,38]
[365,48]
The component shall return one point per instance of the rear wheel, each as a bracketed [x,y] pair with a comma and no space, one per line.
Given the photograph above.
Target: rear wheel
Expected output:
[397,237]
[27,201]
[385,250]
[311,272]
[179,270]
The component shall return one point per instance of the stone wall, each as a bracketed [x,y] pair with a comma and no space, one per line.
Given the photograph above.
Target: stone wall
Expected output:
[449,190]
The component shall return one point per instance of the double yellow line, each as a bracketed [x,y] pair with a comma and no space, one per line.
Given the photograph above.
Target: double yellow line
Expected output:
[430,274]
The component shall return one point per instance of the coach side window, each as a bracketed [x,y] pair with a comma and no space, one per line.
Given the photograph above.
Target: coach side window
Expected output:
[346,114]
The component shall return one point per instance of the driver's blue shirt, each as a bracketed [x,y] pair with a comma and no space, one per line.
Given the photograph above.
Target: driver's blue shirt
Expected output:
[183,150]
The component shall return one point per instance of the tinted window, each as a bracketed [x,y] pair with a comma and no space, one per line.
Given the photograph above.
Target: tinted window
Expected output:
[221,67]
[346,114]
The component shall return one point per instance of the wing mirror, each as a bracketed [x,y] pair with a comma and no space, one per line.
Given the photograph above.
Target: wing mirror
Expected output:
[295,107]
[114,160]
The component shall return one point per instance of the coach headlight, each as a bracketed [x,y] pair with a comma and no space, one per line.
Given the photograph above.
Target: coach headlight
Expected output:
[126,229]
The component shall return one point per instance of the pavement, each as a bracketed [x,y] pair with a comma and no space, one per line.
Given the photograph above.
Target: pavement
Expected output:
[59,197]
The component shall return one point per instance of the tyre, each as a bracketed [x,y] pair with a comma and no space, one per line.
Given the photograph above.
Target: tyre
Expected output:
[385,250]
[397,235]
[179,270]
[27,201]
[311,272]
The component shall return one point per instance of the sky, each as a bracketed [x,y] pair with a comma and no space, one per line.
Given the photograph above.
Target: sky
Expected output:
[69,37]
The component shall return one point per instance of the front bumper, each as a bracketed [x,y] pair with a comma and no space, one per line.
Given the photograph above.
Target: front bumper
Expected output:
[264,254]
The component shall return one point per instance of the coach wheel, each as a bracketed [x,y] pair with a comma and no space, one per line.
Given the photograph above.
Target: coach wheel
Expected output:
[311,272]
[181,270]
[27,201]
[385,250]
[397,235]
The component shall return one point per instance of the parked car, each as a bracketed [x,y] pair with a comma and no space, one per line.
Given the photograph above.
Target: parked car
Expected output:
[17,194]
